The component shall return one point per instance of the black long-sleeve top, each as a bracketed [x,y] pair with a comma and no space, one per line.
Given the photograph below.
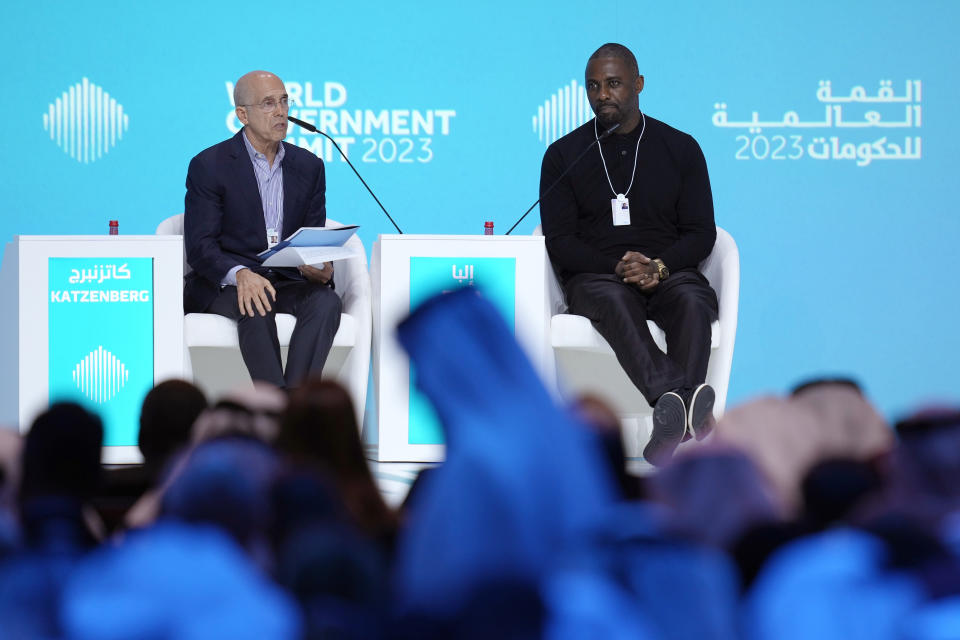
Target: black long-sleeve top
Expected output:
[671,206]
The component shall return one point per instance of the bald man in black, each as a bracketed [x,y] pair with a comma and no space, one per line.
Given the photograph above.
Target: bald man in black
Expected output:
[626,229]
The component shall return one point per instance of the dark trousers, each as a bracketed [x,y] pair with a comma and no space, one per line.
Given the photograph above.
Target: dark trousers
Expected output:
[684,306]
[317,308]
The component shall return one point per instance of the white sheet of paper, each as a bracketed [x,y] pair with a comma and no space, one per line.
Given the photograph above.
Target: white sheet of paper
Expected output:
[296,256]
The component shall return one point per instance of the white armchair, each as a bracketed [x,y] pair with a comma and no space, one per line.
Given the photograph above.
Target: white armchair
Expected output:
[212,350]
[586,363]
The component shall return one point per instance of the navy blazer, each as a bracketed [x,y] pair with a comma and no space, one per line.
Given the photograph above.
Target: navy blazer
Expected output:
[223,222]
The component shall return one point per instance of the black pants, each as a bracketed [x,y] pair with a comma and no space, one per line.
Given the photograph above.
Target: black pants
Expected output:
[684,306]
[317,308]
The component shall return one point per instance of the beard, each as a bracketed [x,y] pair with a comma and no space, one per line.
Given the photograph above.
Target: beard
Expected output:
[606,118]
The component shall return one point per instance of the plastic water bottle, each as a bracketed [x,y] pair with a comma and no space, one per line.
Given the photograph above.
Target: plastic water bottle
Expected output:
[488,228]
[114,227]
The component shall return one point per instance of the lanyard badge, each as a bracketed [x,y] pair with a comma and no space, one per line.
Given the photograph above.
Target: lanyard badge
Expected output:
[620,207]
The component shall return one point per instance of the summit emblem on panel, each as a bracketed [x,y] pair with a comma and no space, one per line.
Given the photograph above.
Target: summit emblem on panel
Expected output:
[561,113]
[100,375]
[86,122]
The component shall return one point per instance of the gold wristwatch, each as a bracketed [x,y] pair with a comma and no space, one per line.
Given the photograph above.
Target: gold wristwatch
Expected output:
[662,270]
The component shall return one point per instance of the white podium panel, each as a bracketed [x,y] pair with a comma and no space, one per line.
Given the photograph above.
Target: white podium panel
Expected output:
[407,269]
[98,320]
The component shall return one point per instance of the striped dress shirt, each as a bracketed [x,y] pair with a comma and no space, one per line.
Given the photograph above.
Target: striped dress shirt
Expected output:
[270,186]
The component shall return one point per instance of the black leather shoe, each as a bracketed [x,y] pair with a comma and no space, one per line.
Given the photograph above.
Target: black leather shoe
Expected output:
[669,426]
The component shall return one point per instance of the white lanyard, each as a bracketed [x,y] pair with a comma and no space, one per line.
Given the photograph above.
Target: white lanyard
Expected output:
[621,196]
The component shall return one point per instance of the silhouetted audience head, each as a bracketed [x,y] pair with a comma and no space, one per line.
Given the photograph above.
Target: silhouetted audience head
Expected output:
[848,425]
[248,412]
[925,478]
[788,436]
[319,430]
[779,436]
[166,421]
[226,482]
[61,454]
[320,426]
[60,475]
[835,381]
[714,494]
[524,480]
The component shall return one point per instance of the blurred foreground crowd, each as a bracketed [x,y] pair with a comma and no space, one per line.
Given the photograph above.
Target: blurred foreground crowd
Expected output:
[257,517]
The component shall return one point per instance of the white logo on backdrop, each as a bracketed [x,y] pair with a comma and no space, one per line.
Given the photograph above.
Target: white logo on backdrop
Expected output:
[85,122]
[561,113]
[100,376]
[383,136]
[462,274]
[868,127]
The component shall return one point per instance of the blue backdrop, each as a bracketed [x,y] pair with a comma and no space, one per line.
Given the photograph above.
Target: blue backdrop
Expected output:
[827,130]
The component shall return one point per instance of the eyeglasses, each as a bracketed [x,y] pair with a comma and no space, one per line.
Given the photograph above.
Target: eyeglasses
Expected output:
[269,104]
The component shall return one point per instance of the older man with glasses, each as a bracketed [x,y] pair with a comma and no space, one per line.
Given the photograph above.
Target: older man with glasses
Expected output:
[243,196]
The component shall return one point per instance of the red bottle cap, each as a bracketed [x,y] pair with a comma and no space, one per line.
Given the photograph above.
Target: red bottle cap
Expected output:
[488,224]
[114,223]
